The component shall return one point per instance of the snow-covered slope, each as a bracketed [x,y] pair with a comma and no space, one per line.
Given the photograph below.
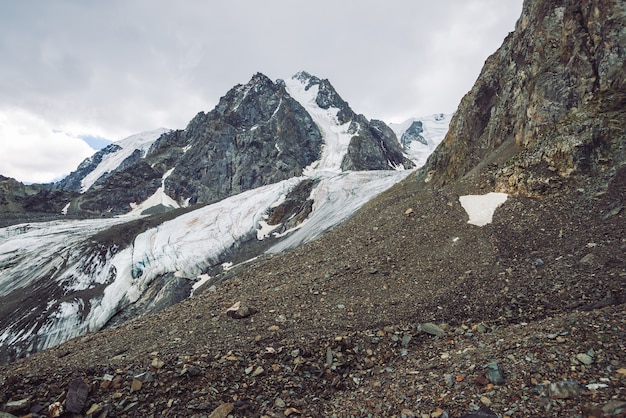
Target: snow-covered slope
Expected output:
[336,135]
[432,129]
[127,147]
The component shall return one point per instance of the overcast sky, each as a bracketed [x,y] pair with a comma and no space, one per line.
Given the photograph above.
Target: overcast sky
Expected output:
[76,68]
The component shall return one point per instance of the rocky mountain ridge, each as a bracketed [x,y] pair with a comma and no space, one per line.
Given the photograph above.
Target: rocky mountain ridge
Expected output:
[258,134]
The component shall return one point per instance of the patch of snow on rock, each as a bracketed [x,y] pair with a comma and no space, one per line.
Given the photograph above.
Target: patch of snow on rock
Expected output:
[480,208]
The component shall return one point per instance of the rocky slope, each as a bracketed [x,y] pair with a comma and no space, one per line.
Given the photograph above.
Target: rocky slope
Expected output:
[408,310]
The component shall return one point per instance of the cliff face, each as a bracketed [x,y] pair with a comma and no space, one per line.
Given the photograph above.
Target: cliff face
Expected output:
[548,105]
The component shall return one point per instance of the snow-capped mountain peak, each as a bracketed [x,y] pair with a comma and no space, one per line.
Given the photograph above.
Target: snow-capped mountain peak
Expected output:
[420,136]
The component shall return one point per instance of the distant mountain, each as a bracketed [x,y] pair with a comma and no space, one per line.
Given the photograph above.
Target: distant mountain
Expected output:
[420,136]
[34,199]
[112,157]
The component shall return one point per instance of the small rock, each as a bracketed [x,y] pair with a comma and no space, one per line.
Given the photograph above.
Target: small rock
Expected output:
[406,339]
[222,411]
[494,374]
[432,329]
[591,411]
[76,396]
[136,385]
[566,389]
[19,406]
[614,407]
[145,377]
[292,411]
[239,311]
[588,259]
[55,410]
[408,212]
[439,413]
[584,358]
[483,412]
[485,401]
[258,371]
[279,403]
[616,210]
[407,413]
[481,380]
[94,409]
[157,364]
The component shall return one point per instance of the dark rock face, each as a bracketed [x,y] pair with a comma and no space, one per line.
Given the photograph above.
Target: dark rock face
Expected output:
[296,207]
[374,147]
[548,101]
[256,135]
[413,134]
[113,195]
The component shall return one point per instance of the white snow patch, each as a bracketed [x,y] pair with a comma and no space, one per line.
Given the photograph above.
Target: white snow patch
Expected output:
[202,279]
[480,208]
[158,198]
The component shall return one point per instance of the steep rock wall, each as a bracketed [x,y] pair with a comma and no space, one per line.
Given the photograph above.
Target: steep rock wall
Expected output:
[531,120]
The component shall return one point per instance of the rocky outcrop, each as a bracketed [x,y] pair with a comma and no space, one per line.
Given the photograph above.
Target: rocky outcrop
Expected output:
[413,134]
[256,135]
[547,106]
[374,147]
[16,197]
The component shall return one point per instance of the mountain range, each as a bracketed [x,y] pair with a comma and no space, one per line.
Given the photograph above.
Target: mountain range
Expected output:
[403,308]
[273,166]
